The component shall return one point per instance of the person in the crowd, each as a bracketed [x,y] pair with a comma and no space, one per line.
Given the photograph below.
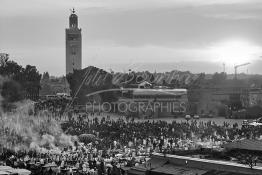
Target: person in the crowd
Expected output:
[115,143]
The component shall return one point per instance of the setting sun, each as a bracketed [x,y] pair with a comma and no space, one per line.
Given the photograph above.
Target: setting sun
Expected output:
[235,52]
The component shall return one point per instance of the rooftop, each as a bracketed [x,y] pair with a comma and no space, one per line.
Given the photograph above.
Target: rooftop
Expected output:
[167,92]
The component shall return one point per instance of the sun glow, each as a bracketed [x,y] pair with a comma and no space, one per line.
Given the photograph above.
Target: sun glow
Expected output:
[235,52]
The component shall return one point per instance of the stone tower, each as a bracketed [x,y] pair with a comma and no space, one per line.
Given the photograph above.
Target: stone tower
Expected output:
[73,44]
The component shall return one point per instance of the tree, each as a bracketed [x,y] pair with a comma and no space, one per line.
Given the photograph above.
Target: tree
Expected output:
[218,78]
[28,78]
[3,59]
[89,80]
[46,89]
[11,91]
[32,81]
[164,83]
[45,76]
[11,69]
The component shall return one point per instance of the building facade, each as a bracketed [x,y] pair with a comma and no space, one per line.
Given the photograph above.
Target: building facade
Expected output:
[154,103]
[252,97]
[73,44]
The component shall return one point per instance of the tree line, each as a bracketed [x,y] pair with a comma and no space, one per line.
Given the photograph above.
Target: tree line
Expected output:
[18,82]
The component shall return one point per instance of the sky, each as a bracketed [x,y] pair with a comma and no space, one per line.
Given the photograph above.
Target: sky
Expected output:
[154,35]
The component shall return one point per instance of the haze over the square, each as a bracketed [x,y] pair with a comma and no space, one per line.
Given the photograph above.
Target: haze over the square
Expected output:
[196,35]
[130,87]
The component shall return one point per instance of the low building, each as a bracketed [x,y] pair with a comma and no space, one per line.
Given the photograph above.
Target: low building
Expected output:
[252,97]
[154,103]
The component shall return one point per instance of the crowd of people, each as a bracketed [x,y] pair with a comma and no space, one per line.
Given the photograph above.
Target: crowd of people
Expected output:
[54,105]
[156,135]
[79,159]
[107,144]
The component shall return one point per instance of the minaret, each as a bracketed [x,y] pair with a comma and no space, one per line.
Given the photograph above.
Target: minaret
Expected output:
[73,44]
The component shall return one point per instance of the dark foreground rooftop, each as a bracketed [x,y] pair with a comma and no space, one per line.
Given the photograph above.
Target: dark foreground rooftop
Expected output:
[181,165]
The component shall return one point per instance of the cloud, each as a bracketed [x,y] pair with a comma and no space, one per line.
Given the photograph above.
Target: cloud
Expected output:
[235,16]
[33,7]
[170,27]
[124,30]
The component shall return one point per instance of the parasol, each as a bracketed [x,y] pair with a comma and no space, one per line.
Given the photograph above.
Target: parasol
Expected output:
[49,165]
[109,165]
[187,117]
[196,117]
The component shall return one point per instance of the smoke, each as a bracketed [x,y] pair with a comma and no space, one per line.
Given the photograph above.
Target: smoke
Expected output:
[2,80]
[21,130]
[49,143]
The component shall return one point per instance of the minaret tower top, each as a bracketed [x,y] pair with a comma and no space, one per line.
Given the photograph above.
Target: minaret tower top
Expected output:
[73,19]
[73,44]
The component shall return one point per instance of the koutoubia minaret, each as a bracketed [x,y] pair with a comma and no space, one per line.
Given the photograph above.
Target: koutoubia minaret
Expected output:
[73,44]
